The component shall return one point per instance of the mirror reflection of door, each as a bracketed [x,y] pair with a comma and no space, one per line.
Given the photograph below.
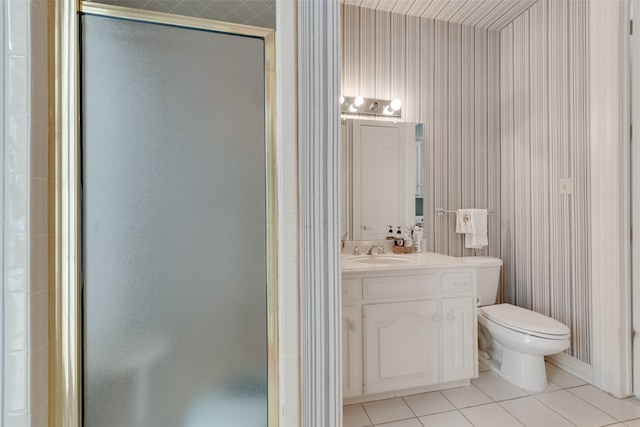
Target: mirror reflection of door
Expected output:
[383,168]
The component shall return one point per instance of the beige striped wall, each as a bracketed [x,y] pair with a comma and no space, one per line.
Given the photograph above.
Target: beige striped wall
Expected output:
[505,119]
[544,138]
[447,77]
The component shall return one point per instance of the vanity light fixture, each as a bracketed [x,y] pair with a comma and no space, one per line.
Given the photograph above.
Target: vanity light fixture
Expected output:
[361,105]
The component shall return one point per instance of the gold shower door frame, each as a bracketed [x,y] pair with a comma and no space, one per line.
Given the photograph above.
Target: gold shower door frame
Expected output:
[65,314]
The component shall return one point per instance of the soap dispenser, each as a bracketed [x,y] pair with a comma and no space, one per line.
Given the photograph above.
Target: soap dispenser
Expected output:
[398,245]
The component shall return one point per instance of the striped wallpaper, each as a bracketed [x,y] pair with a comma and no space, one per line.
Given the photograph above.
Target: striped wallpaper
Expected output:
[505,119]
[544,138]
[318,166]
[447,77]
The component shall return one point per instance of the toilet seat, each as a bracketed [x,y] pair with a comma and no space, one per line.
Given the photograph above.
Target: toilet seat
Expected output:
[525,321]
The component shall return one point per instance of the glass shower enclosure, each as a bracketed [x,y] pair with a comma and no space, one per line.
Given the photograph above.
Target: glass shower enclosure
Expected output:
[174,248]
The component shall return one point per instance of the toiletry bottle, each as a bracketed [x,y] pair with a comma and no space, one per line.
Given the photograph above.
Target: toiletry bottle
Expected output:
[408,241]
[390,235]
[418,233]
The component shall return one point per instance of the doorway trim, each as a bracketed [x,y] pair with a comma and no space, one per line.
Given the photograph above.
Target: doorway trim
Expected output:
[610,193]
[635,197]
[66,314]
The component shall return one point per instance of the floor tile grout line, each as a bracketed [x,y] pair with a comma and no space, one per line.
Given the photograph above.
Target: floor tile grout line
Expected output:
[465,417]
[568,390]
[409,406]
[551,409]
[366,413]
[559,414]
[401,419]
[602,410]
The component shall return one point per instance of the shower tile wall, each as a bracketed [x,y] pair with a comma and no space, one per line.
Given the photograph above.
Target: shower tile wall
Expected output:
[446,75]
[286,61]
[544,138]
[24,335]
[505,119]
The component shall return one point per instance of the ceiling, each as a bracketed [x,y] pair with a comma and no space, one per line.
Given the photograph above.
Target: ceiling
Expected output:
[490,14]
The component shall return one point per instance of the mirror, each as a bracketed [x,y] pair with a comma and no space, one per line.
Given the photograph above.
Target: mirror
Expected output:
[381,177]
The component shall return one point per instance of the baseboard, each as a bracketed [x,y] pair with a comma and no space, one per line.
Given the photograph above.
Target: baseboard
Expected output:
[572,365]
[404,392]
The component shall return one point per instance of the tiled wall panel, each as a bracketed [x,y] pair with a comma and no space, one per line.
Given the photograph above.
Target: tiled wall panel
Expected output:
[288,209]
[544,138]
[445,74]
[24,212]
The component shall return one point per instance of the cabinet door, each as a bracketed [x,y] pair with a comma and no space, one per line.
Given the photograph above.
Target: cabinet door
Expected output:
[459,346]
[401,345]
[351,351]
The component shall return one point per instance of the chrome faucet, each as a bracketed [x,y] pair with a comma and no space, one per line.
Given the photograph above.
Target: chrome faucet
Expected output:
[356,250]
[380,249]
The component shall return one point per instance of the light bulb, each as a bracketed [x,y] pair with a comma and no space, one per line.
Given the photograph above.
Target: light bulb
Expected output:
[358,101]
[341,99]
[396,104]
[352,108]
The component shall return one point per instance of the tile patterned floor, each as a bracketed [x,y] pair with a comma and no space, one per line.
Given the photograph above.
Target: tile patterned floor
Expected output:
[491,401]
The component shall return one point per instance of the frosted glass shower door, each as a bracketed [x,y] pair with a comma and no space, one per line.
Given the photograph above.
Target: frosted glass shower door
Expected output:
[174,252]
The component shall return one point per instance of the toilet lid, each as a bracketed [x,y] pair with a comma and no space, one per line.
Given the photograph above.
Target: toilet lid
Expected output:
[526,321]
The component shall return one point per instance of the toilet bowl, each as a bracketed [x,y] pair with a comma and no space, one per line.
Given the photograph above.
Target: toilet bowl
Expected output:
[516,340]
[513,340]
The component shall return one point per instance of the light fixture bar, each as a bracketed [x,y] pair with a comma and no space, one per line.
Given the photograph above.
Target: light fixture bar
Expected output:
[360,105]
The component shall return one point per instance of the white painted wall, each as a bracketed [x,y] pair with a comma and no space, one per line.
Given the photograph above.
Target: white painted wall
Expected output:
[610,195]
[635,195]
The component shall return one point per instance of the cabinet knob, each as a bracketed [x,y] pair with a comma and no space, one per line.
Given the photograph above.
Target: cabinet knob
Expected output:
[451,316]
[353,326]
[366,227]
[436,318]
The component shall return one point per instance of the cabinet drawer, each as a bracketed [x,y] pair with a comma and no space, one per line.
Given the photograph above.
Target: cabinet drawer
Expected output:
[400,286]
[350,290]
[457,282]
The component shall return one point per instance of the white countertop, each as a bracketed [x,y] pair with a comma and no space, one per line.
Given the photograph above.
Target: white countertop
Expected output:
[391,261]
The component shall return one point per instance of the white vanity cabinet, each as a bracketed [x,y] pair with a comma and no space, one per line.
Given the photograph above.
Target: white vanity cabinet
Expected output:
[400,345]
[416,331]
[351,339]
[351,351]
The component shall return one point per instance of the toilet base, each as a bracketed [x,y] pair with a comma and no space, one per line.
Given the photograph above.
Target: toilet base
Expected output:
[525,371]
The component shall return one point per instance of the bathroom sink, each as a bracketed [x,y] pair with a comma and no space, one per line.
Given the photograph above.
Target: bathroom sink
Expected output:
[382,259]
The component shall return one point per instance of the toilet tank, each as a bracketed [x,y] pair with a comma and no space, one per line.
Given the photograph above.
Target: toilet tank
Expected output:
[488,275]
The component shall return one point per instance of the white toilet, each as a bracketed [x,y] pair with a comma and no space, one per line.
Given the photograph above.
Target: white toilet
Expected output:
[514,340]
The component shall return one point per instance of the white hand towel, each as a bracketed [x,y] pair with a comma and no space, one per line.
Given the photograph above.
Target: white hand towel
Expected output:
[477,238]
[463,221]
